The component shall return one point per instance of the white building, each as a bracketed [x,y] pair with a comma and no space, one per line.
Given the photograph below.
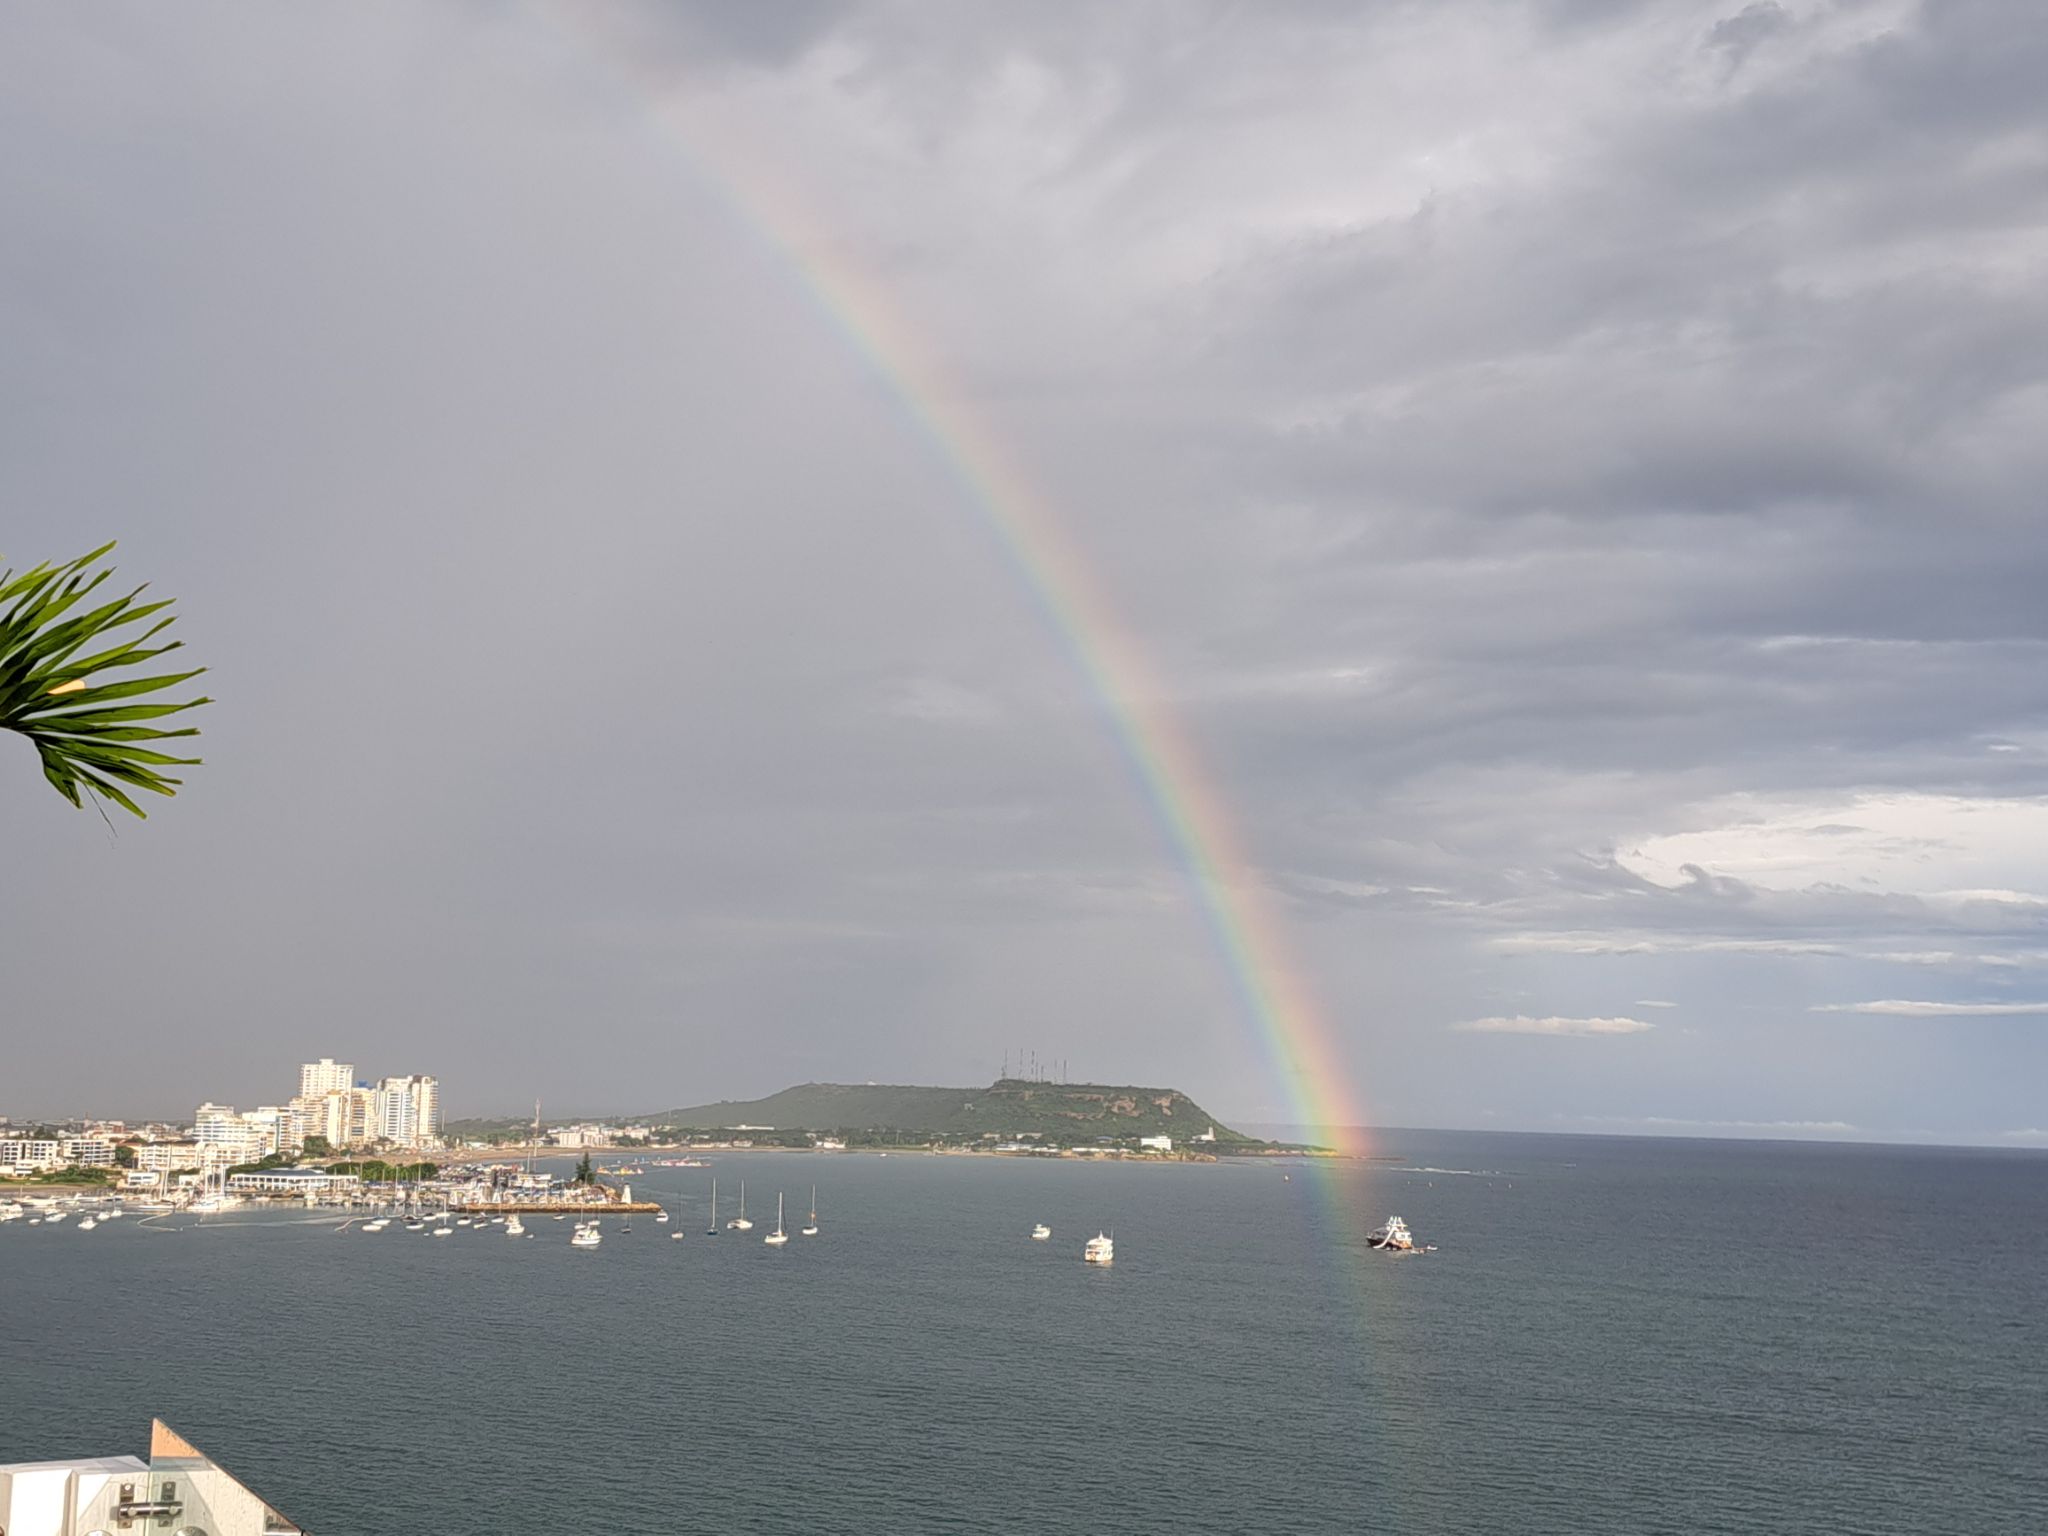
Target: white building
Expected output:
[1155,1143]
[88,1152]
[179,1487]
[317,1078]
[292,1181]
[406,1111]
[25,1156]
[167,1156]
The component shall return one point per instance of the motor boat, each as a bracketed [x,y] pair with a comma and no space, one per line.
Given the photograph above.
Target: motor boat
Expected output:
[1393,1234]
[1101,1249]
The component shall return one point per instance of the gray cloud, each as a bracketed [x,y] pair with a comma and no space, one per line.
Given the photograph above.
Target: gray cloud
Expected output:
[1573,466]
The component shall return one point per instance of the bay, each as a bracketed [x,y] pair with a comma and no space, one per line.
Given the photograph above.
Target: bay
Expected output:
[1615,1335]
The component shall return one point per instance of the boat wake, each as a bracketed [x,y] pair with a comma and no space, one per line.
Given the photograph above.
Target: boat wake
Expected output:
[1468,1173]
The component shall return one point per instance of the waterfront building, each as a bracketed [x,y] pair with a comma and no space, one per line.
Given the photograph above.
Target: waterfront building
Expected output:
[293,1181]
[1155,1143]
[167,1156]
[178,1488]
[21,1155]
[88,1152]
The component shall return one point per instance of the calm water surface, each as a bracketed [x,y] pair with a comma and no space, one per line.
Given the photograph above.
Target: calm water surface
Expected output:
[1615,1336]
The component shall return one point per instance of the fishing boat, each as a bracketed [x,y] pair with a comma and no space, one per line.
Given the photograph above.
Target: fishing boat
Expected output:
[712,1230]
[586,1235]
[1040,1232]
[1393,1234]
[740,1223]
[778,1237]
[1101,1249]
[811,1227]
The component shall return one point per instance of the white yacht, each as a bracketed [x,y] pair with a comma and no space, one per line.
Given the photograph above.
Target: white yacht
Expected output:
[811,1227]
[586,1235]
[740,1223]
[376,1224]
[778,1237]
[514,1227]
[1040,1232]
[1101,1249]
[1394,1234]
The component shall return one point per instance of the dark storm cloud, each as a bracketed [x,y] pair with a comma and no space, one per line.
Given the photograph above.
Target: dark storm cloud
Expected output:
[1575,467]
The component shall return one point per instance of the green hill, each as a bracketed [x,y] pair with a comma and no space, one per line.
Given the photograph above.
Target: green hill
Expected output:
[1010,1107]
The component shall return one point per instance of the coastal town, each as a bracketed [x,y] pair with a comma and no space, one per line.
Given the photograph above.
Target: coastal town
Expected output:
[348,1141]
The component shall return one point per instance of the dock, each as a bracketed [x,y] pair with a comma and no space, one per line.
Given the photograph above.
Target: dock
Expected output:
[557,1208]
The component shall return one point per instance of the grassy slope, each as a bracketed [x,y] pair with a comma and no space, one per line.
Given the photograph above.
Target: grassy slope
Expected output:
[1010,1106]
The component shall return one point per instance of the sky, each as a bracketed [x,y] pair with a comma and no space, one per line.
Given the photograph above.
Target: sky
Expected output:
[1571,470]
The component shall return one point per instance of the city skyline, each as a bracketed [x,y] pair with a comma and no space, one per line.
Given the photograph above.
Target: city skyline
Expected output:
[1493,550]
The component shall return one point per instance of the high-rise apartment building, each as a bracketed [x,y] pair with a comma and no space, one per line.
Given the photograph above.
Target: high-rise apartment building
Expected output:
[406,1111]
[325,1076]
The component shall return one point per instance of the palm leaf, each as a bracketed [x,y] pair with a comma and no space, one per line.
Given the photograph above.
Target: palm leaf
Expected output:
[60,700]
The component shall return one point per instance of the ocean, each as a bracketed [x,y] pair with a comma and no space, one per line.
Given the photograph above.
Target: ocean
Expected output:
[1613,1335]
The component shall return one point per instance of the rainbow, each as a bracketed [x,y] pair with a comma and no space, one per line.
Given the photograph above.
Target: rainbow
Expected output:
[1190,808]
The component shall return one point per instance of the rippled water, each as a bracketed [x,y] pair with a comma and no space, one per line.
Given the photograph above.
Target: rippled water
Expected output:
[1615,1336]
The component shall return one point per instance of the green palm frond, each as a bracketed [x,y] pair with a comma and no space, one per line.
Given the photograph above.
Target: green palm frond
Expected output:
[91,743]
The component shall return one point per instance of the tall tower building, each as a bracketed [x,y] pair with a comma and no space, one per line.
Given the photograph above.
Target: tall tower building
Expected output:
[325,1076]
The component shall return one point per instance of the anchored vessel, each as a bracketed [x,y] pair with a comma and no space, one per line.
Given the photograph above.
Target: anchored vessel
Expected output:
[778,1237]
[811,1227]
[1101,1249]
[1040,1232]
[1393,1234]
[587,1235]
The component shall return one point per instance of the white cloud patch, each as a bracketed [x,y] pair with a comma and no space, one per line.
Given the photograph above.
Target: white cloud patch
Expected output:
[1523,1024]
[1683,1123]
[1907,1008]
[1654,1002]
[2031,1133]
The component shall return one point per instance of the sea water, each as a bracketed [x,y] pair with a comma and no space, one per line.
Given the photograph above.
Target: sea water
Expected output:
[1614,1335]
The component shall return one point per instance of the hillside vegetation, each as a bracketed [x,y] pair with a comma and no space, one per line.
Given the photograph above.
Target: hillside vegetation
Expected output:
[1011,1106]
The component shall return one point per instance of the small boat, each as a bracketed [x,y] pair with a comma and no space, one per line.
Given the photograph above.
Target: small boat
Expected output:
[462,1221]
[87,1224]
[586,1235]
[514,1227]
[1101,1249]
[1040,1232]
[661,1217]
[54,1217]
[740,1223]
[1393,1234]
[778,1237]
[811,1227]
[712,1230]
[444,1230]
